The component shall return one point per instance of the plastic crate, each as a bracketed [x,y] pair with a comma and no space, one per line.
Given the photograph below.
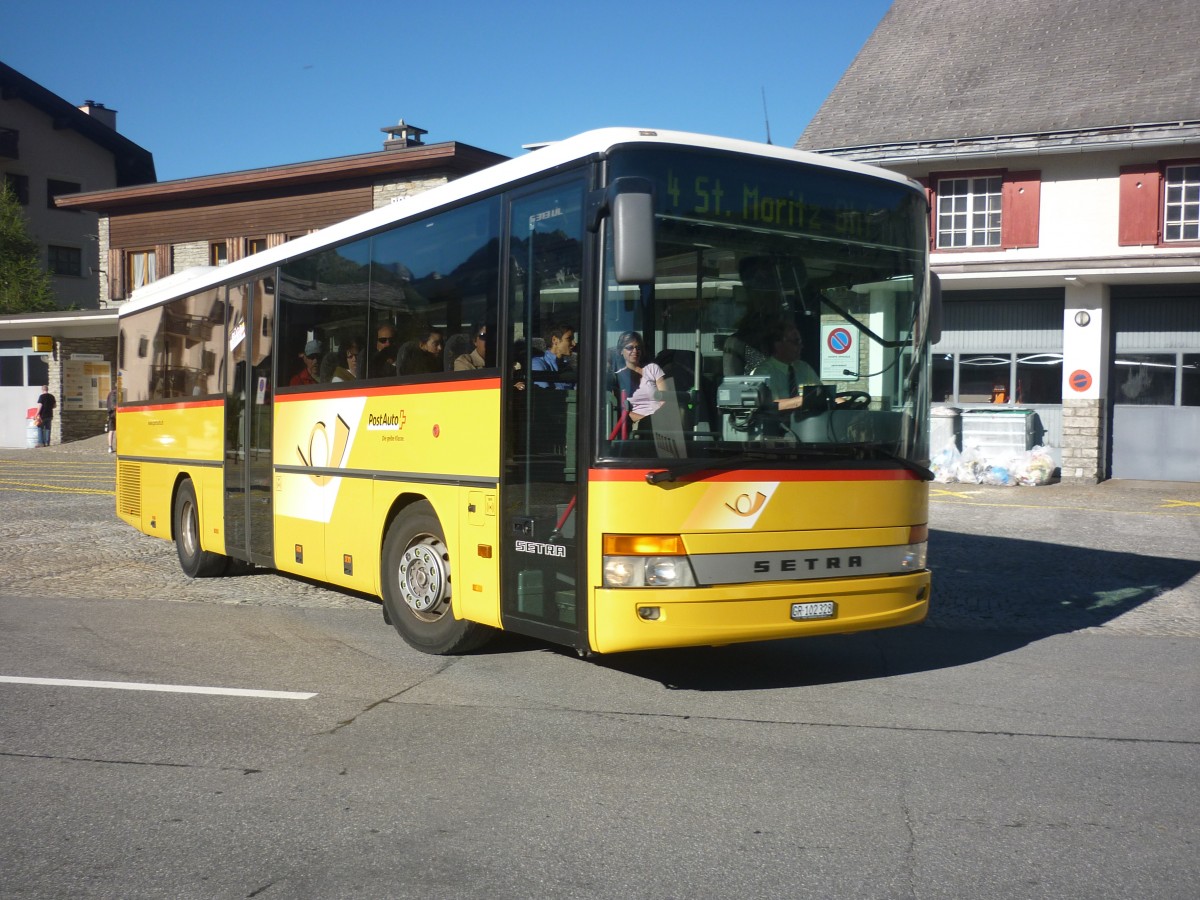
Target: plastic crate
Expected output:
[945,428]
[998,434]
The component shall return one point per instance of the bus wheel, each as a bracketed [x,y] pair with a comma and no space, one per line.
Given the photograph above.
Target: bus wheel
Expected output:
[195,562]
[417,585]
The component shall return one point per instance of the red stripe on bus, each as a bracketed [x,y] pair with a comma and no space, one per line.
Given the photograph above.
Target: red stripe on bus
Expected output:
[180,404]
[762,474]
[394,390]
[382,391]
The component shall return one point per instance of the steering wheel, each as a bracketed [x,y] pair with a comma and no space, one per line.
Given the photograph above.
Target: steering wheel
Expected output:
[852,400]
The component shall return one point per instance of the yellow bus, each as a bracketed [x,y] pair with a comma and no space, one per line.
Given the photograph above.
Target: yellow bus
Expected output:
[635,389]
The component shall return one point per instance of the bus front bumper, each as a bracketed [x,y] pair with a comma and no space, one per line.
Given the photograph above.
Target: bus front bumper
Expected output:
[647,618]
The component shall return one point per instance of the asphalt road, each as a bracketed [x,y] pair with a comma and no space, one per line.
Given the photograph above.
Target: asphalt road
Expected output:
[1038,738]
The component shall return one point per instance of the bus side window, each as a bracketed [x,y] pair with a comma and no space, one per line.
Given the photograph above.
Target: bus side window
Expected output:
[323,316]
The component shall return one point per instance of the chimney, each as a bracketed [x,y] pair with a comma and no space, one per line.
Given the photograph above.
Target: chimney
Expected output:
[401,135]
[100,113]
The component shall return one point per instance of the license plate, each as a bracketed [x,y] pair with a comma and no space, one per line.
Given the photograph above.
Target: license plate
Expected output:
[825,609]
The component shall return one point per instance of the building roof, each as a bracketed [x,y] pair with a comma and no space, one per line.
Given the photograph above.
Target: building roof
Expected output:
[133,164]
[449,156]
[64,322]
[947,69]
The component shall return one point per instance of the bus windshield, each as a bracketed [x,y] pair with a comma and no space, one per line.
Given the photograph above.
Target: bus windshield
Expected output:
[783,323]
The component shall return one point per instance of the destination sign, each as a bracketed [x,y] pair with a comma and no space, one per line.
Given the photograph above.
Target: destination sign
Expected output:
[746,191]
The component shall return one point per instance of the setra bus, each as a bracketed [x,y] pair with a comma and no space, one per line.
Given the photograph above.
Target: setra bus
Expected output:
[636,389]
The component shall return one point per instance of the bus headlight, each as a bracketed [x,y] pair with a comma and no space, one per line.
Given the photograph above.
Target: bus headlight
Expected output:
[648,571]
[914,554]
[620,571]
[914,557]
[646,560]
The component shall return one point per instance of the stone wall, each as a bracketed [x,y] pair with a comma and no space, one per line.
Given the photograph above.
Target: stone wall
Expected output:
[185,256]
[393,191]
[102,245]
[77,424]
[1083,441]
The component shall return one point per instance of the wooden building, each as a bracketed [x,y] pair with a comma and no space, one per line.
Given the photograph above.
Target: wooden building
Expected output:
[149,231]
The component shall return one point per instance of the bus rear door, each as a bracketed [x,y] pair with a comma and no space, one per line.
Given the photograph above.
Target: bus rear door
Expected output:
[249,395]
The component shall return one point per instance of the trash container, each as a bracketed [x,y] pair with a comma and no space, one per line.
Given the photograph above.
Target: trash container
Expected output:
[31,428]
[944,428]
[998,435]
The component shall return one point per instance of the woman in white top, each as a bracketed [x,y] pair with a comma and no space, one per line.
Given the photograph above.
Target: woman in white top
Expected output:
[636,381]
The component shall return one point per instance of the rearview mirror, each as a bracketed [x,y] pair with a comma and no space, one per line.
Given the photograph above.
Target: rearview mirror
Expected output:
[631,205]
[934,329]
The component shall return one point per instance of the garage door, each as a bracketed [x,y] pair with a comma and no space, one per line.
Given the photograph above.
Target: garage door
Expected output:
[1154,383]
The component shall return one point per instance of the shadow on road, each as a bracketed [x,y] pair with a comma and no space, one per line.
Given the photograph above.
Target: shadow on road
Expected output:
[991,595]
[1038,588]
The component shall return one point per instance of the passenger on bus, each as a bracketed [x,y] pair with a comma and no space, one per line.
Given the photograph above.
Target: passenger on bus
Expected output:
[637,381]
[383,364]
[382,361]
[785,370]
[309,359]
[477,358]
[422,356]
[342,364]
[560,342]
[355,357]
[385,339]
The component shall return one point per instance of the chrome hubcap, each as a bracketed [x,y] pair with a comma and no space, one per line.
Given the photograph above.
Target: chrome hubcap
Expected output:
[425,577]
[188,529]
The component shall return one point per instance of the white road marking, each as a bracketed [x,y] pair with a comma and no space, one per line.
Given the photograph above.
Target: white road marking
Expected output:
[167,688]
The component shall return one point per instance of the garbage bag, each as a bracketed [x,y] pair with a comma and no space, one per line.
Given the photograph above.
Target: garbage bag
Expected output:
[945,464]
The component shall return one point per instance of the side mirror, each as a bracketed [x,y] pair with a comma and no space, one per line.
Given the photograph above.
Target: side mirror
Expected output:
[934,328]
[631,205]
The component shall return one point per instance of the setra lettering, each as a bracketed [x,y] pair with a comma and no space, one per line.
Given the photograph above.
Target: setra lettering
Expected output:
[540,549]
[807,564]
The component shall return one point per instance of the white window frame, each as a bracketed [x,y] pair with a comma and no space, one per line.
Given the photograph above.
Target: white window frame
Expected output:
[1181,207]
[968,212]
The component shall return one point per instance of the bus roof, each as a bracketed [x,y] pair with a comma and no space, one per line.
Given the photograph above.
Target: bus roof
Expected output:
[548,157]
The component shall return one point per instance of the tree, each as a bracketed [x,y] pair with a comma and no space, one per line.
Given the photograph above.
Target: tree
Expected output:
[24,284]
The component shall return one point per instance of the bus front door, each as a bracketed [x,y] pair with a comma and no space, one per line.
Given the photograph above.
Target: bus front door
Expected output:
[249,395]
[539,490]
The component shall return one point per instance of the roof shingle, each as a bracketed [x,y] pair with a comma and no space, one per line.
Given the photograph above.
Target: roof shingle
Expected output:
[940,69]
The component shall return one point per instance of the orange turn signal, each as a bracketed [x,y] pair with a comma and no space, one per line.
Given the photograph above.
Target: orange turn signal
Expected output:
[643,545]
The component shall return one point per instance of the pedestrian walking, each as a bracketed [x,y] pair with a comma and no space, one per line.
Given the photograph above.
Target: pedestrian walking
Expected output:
[45,416]
[110,425]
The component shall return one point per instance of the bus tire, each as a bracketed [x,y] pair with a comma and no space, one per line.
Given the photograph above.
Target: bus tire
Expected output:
[417,586]
[195,561]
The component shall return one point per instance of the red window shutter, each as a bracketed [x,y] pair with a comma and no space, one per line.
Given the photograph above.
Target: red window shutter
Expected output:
[1139,219]
[1020,209]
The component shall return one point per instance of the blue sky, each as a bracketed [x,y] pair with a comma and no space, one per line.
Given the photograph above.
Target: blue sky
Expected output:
[221,86]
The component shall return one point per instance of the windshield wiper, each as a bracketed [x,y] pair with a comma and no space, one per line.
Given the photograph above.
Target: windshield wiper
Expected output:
[915,467]
[761,454]
[687,467]
[800,451]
